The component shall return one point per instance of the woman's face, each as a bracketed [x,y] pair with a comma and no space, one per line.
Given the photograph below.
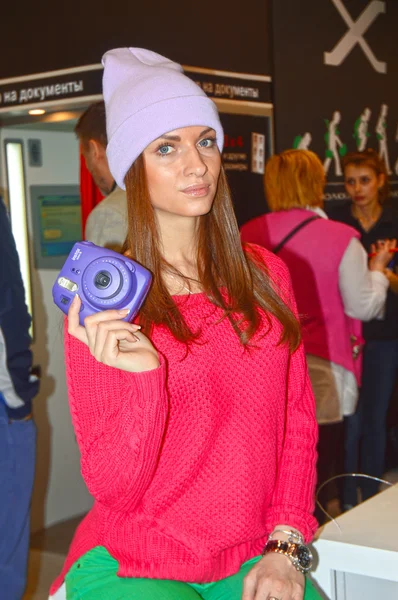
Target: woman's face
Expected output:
[182,169]
[362,184]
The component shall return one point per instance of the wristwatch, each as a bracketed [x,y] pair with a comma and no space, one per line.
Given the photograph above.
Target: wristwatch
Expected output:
[299,554]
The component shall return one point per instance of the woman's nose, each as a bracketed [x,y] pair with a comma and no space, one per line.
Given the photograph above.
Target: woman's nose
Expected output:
[195,165]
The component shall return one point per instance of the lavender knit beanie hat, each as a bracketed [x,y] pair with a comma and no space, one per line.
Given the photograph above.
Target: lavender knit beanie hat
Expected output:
[147,95]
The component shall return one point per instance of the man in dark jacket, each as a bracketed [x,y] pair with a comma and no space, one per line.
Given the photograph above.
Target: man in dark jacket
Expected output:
[18,386]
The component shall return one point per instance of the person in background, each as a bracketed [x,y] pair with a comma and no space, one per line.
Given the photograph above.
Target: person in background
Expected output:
[18,386]
[375,220]
[197,432]
[107,223]
[333,286]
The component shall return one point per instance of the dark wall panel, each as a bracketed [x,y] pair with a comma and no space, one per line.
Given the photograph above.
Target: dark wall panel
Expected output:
[38,37]
[308,92]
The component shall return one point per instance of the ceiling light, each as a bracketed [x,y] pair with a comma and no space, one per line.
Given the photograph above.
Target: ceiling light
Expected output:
[37,111]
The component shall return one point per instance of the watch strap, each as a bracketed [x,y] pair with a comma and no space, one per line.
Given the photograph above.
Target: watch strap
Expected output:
[293,551]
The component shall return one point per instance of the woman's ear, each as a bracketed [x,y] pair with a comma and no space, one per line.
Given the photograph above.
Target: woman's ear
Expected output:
[381,181]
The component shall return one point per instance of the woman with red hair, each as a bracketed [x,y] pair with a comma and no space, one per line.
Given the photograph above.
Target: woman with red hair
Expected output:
[333,286]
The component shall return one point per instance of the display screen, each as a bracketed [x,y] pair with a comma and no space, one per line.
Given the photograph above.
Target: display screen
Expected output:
[60,224]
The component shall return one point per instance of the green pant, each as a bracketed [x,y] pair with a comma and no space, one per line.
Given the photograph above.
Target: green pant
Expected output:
[93,577]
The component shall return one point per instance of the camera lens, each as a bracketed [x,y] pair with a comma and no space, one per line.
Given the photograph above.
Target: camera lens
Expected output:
[106,282]
[102,280]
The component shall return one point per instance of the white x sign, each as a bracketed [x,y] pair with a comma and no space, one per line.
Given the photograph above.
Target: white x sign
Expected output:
[355,35]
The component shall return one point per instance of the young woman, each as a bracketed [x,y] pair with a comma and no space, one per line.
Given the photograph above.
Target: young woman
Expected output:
[366,182]
[196,426]
[333,286]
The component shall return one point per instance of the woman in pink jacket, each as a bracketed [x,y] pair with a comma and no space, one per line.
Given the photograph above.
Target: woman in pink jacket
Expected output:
[334,288]
[196,426]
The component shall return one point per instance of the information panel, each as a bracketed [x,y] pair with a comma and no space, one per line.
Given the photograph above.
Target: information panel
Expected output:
[57,223]
[247,145]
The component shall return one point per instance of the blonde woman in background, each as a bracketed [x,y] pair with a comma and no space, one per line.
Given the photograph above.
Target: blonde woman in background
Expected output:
[334,287]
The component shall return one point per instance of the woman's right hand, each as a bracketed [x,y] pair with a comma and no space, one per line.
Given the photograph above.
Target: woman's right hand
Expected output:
[382,254]
[113,342]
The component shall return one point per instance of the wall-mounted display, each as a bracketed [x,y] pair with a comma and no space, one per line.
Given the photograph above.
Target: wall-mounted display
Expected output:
[56,223]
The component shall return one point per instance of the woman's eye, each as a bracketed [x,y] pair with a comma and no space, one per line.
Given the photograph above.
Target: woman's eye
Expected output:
[365,180]
[165,149]
[349,182]
[207,143]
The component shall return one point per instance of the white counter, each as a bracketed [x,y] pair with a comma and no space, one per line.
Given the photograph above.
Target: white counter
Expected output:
[360,562]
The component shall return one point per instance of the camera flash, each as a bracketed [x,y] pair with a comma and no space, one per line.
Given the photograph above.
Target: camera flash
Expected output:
[69,285]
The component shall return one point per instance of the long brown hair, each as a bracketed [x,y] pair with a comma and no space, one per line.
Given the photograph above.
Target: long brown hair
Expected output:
[221,262]
[369,158]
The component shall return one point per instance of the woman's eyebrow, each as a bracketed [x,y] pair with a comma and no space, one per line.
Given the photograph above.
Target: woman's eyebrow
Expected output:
[174,138]
[205,131]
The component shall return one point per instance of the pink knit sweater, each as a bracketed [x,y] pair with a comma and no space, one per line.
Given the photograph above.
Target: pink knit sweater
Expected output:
[191,465]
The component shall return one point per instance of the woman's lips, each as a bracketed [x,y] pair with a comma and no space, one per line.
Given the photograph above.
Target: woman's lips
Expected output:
[199,190]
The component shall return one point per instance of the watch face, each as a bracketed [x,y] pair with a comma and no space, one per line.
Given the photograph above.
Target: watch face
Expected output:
[304,557]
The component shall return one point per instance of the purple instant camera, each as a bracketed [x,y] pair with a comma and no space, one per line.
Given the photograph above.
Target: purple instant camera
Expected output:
[103,279]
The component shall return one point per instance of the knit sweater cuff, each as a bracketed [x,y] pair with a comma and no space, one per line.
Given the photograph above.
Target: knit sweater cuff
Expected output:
[147,382]
[291,515]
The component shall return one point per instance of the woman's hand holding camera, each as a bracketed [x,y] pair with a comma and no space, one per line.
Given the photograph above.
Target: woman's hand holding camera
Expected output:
[111,341]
